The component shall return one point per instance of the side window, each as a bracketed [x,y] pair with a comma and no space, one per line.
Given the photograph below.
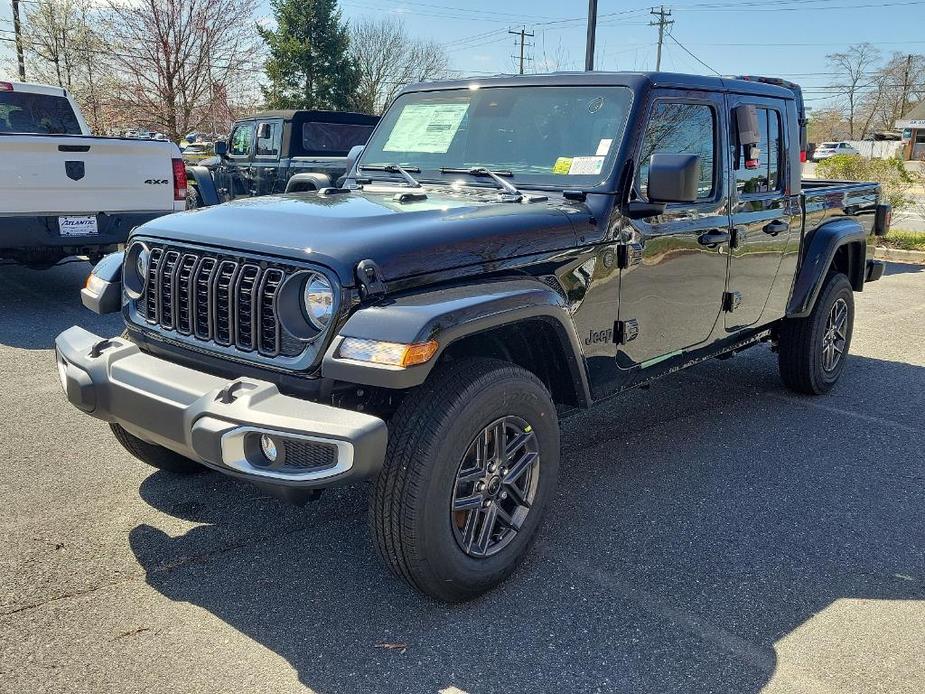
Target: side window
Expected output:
[765,176]
[241,138]
[268,146]
[679,128]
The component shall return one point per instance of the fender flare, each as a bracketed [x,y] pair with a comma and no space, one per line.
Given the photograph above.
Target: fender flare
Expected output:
[448,315]
[307,181]
[205,184]
[106,297]
[821,247]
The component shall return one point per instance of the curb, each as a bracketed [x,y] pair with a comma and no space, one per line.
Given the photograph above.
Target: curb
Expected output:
[898,255]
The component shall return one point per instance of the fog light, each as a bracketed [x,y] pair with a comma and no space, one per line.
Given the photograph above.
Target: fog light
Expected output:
[268,447]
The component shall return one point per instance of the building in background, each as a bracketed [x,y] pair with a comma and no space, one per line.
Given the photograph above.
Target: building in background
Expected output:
[913,128]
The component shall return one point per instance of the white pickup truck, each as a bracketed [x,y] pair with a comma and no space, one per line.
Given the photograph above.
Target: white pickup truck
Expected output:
[64,192]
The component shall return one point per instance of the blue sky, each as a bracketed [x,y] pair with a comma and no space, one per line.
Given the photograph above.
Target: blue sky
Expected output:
[788,38]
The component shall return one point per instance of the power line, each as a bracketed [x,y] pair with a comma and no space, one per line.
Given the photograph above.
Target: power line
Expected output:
[683,48]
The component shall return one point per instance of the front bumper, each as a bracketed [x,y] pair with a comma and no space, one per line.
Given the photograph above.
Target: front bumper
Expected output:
[212,419]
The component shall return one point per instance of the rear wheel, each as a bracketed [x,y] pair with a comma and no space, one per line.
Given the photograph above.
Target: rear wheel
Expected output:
[813,350]
[154,455]
[472,462]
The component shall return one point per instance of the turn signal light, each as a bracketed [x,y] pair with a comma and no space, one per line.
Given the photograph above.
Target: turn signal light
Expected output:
[389,353]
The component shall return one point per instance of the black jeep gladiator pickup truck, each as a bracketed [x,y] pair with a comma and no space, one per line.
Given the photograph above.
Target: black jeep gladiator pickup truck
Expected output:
[504,251]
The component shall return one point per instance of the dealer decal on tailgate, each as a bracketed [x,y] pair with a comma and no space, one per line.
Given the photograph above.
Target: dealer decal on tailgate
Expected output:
[78,226]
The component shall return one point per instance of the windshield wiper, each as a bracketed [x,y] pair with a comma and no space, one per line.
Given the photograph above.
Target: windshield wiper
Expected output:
[507,187]
[394,168]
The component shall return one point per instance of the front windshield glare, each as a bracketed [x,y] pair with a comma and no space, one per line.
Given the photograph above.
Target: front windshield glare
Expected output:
[544,136]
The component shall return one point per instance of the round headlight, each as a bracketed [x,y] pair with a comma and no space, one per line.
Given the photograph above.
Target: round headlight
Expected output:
[319,301]
[137,260]
[141,264]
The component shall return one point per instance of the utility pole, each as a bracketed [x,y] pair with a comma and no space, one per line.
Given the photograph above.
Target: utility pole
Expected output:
[17,29]
[902,108]
[592,30]
[523,33]
[661,23]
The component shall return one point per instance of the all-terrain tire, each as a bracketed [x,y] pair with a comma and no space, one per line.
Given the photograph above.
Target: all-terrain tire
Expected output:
[154,455]
[801,354]
[433,430]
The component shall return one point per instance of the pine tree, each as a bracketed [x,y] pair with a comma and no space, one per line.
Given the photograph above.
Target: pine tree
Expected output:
[309,66]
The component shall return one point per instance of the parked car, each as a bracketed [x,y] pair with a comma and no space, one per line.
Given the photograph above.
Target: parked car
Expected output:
[279,151]
[65,192]
[504,252]
[197,152]
[830,149]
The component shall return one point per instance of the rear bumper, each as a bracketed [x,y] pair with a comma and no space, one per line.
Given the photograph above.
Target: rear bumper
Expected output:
[214,420]
[30,232]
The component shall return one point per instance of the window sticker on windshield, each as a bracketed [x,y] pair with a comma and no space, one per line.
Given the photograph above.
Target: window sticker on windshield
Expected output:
[603,147]
[428,128]
[586,166]
[562,166]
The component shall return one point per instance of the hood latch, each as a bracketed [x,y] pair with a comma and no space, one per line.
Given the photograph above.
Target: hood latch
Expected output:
[370,278]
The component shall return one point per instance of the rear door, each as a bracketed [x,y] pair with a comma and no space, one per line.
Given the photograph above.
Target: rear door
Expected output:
[266,165]
[761,212]
[69,175]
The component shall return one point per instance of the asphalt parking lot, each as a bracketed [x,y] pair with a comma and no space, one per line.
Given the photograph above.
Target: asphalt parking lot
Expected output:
[712,534]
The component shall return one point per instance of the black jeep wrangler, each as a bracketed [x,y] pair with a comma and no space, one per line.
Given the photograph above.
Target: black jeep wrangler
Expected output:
[279,152]
[503,252]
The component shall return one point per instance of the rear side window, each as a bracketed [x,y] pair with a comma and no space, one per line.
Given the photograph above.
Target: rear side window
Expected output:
[333,139]
[241,137]
[766,177]
[680,128]
[38,114]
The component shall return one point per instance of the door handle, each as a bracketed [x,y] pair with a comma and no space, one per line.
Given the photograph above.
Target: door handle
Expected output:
[713,238]
[776,227]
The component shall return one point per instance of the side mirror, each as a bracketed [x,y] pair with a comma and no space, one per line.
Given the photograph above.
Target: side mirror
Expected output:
[673,178]
[353,155]
[263,131]
[221,148]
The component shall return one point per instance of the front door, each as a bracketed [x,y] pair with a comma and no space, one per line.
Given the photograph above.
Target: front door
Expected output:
[234,175]
[673,295]
[760,213]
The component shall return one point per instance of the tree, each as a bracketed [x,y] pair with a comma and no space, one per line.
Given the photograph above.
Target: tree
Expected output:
[309,64]
[56,33]
[853,66]
[174,58]
[827,124]
[387,59]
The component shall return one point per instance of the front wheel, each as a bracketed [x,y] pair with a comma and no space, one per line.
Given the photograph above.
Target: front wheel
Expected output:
[472,462]
[813,350]
[154,455]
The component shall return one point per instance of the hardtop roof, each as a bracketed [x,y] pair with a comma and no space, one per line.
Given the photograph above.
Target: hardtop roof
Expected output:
[633,80]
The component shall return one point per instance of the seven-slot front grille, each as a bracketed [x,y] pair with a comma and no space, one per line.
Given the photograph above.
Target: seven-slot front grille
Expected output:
[226,301]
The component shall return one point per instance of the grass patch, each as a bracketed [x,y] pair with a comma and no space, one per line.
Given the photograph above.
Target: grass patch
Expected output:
[905,240]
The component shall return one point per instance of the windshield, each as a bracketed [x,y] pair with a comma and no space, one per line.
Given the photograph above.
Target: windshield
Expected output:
[543,136]
[24,112]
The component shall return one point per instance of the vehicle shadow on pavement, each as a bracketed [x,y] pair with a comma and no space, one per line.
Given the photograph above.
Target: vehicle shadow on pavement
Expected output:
[695,527]
[36,305]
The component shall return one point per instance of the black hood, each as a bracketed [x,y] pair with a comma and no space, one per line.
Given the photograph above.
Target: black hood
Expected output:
[447,230]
